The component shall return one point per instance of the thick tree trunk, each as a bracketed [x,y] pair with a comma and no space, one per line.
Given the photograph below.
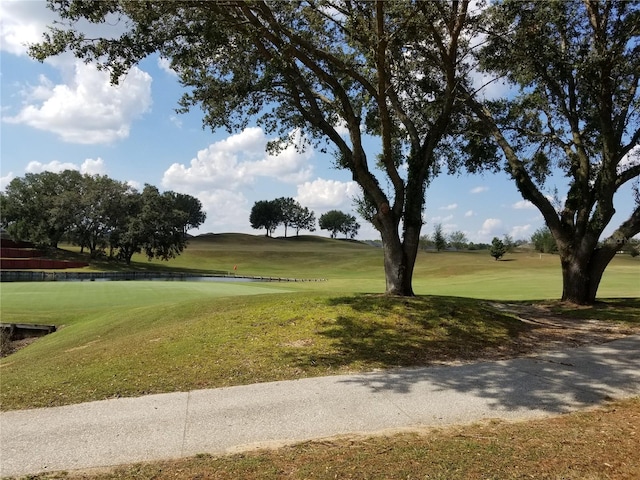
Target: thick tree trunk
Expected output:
[399,258]
[582,273]
[398,269]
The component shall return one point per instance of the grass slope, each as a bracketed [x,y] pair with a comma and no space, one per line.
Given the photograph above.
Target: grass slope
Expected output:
[218,342]
[134,338]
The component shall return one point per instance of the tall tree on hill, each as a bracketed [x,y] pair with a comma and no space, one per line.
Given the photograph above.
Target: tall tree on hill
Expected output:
[164,223]
[266,214]
[543,241]
[100,211]
[303,219]
[288,207]
[295,215]
[498,249]
[577,66]
[386,68]
[336,221]
[128,235]
[154,224]
[458,240]
[96,211]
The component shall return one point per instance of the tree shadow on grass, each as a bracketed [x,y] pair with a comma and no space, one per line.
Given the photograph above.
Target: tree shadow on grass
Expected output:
[555,382]
[625,310]
[385,332]
[374,331]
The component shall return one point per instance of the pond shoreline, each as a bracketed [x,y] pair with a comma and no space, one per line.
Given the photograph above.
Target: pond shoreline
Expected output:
[43,276]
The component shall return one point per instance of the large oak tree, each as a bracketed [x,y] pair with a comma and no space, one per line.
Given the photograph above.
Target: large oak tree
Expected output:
[576,65]
[389,69]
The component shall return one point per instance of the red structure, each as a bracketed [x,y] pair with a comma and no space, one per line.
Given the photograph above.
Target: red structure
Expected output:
[24,256]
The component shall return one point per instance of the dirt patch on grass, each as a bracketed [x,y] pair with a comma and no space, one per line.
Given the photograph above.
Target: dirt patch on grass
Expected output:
[305,342]
[81,347]
[552,330]
[12,346]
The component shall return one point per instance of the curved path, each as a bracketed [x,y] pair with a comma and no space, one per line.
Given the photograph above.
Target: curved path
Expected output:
[173,425]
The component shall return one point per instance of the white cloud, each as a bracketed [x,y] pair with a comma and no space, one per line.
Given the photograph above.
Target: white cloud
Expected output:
[523,205]
[452,206]
[469,213]
[54,166]
[226,211]
[22,23]
[87,110]
[176,121]
[134,185]
[439,219]
[89,166]
[490,226]
[327,194]
[479,190]
[342,128]
[521,231]
[237,161]
[288,166]
[5,180]
[165,65]
[93,167]
[631,159]
[209,169]
[490,87]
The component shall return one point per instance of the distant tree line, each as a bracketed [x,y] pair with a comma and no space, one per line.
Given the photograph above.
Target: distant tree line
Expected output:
[270,214]
[542,240]
[458,241]
[285,211]
[98,213]
[455,240]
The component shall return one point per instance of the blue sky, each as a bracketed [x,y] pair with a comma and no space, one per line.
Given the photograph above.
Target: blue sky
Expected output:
[64,114]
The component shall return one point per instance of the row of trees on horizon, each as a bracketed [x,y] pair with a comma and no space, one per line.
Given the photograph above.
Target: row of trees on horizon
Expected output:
[98,213]
[286,211]
[542,240]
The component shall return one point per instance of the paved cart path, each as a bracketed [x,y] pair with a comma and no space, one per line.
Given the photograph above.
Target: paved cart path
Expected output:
[174,425]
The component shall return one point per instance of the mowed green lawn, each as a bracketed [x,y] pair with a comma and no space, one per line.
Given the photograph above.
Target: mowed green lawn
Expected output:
[139,337]
[62,302]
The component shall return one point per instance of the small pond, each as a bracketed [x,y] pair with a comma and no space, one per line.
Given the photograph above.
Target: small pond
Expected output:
[33,276]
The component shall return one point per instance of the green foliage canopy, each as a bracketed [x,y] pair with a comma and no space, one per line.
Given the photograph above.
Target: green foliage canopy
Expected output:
[543,241]
[438,237]
[336,221]
[96,212]
[42,207]
[266,214]
[498,249]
